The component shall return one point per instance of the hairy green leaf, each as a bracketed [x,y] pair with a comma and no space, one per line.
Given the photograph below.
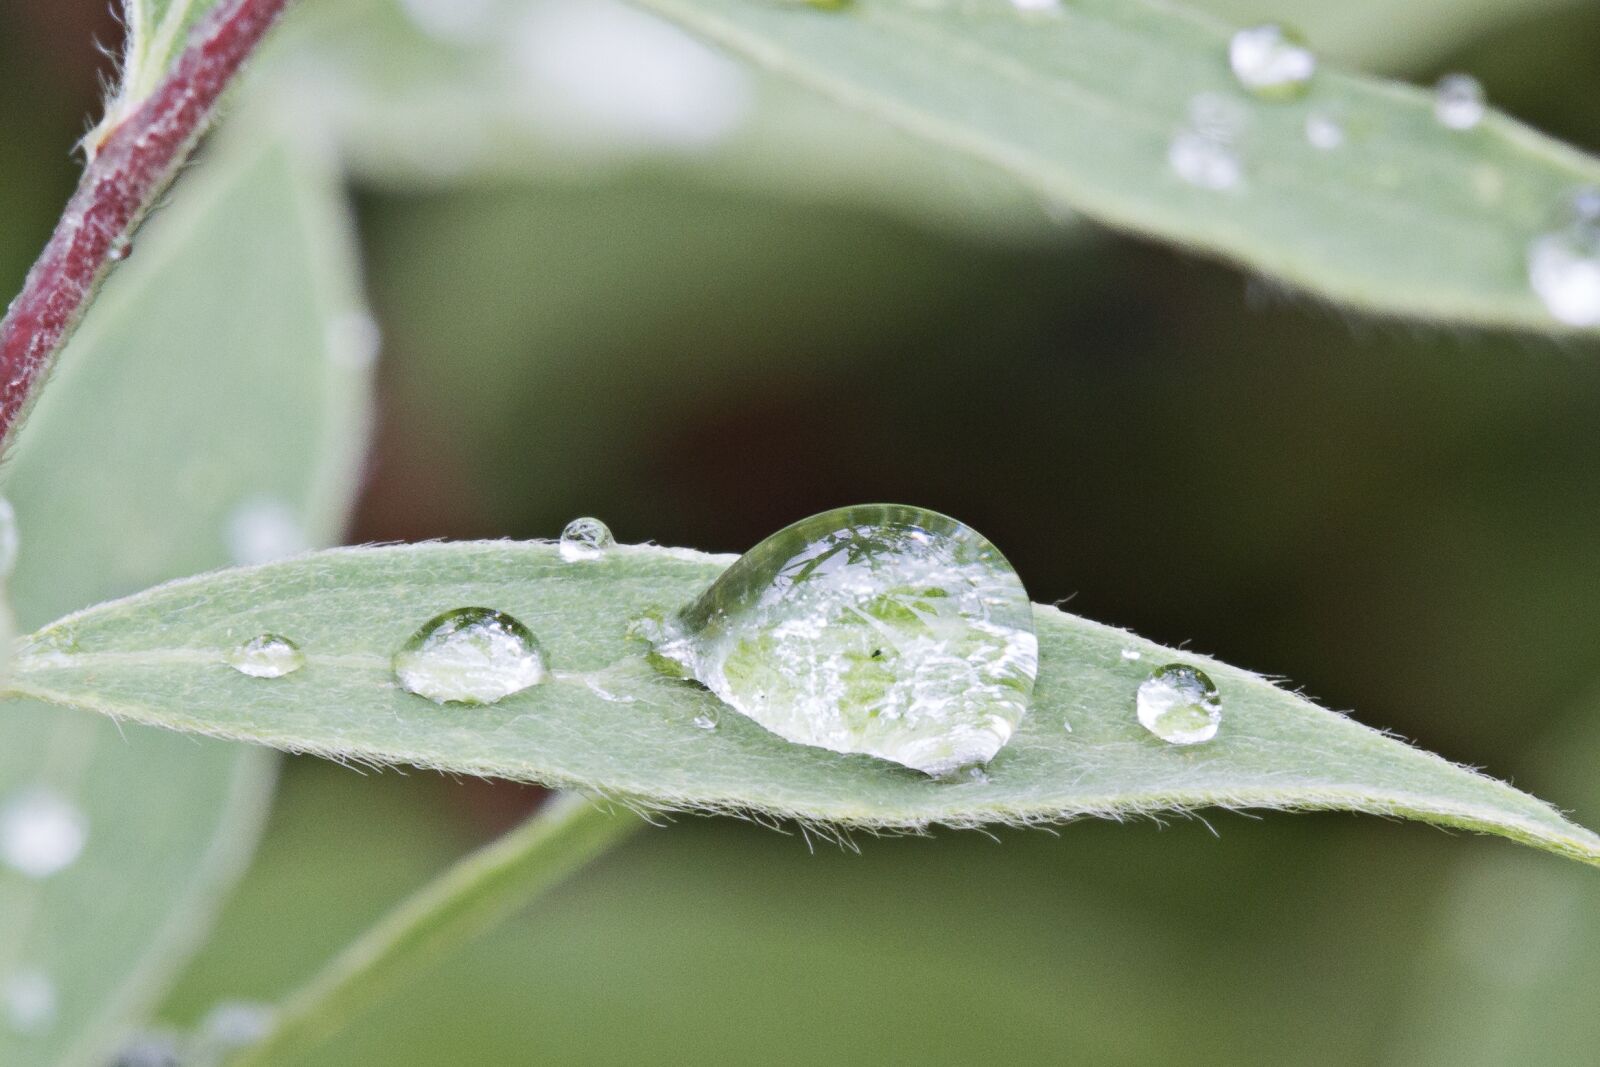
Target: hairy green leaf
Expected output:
[1407,217]
[610,723]
[206,376]
[155,34]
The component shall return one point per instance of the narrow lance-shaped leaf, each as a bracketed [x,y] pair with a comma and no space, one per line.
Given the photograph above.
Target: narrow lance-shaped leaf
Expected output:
[608,721]
[238,325]
[1396,213]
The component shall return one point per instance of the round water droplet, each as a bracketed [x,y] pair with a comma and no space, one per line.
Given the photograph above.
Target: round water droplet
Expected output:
[881,629]
[41,832]
[1324,131]
[30,1001]
[1458,101]
[470,656]
[1271,61]
[585,539]
[1564,271]
[10,538]
[262,529]
[267,656]
[1179,704]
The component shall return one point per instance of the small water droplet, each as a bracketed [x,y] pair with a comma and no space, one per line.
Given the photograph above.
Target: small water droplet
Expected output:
[1132,654]
[1203,152]
[1271,61]
[470,656]
[1179,704]
[353,339]
[1458,101]
[262,529]
[882,629]
[1324,131]
[585,539]
[1564,271]
[30,1002]
[705,722]
[10,538]
[41,832]
[267,656]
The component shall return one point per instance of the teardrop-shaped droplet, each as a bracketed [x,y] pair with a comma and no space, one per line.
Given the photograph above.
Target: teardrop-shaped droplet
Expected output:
[1179,704]
[1271,61]
[470,656]
[585,539]
[1458,101]
[41,832]
[267,656]
[882,629]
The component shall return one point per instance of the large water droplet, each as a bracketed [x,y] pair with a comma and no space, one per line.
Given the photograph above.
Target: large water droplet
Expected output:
[1564,268]
[41,832]
[1179,704]
[585,539]
[1271,61]
[267,656]
[262,529]
[30,1001]
[470,656]
[10,538]
[1458,101]
[881,629]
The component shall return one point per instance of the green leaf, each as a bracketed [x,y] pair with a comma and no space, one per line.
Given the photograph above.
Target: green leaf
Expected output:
[156,32]
[610,723]
[1407,217]
[202,378]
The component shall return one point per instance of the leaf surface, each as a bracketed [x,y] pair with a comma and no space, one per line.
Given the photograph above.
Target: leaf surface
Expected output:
[610,723]
[1406,217]
[200,381]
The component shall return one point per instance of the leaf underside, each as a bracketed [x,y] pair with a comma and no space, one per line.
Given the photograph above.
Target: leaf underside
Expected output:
[610,724]
[1407,217]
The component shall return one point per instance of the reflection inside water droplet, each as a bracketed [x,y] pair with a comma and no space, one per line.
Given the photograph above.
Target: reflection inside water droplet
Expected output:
[267,656]
[1179,704]
[41,832]
[470,656]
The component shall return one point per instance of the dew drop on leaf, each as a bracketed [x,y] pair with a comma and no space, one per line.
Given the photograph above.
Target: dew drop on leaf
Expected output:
[1272,62]
[880,629]
[267,656]
[470,656]
[1203,152]
[1564,265]
[1179,704]
[10,539]
[29,999]
[705,722]
[41,832]
[1458,101]
[1131,654]
[585,539]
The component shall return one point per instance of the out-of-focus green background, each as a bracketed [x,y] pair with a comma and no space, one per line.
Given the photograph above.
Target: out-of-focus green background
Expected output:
[699,349]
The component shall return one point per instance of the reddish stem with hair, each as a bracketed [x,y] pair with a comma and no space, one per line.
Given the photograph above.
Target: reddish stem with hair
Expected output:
[132,165]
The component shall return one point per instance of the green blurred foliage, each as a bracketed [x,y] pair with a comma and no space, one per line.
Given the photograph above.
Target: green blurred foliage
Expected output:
[1402,521]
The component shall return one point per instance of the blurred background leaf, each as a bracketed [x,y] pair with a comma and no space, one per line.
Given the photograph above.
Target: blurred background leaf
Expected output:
[201,380]
[1401,520]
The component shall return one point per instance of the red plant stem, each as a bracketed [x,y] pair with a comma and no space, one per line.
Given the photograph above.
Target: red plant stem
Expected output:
[132,166]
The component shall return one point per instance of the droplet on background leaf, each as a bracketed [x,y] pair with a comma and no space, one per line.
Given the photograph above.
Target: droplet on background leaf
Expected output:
[880,629]
[1179,704]
[585,539]
[470,656]
[29,998]
[267,656]
[1564,264]
[1271,61]
[41,832]
[1458,101]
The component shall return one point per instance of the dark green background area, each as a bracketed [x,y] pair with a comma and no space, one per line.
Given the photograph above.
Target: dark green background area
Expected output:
[1404,521]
